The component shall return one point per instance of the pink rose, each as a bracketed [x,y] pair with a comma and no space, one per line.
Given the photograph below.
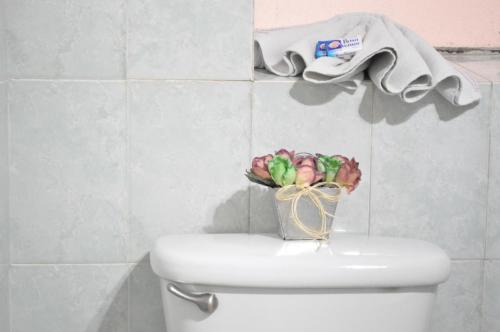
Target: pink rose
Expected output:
[307,173]
[305,176]
[259,166]
[304,161]
[349,174]
[286,154]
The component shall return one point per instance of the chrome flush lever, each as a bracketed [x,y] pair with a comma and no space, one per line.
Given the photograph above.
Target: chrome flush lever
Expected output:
[205,301]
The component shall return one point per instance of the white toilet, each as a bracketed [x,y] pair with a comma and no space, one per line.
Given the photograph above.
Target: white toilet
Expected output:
[260,283]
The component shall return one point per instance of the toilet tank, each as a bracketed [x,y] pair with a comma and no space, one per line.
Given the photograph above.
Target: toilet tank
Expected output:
[260,283]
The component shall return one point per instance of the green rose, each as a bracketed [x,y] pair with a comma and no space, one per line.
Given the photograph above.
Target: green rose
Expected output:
[329,166]
[282,171]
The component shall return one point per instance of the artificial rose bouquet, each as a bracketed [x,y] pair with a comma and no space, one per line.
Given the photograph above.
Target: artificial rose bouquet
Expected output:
[303,169]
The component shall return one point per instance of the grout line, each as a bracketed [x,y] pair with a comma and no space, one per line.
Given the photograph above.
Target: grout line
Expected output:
[126,12]
[129,281]
[482,289]
[67,80]
[492,260]
[485,233]
[485,239]
[467,259]
[66,264]
[8,147]
[9,294]
[481,295]
[488,172]
[128,166]
[9,247]
[9,158]
[250,152]
[372,88]
[128,79]
[252,56]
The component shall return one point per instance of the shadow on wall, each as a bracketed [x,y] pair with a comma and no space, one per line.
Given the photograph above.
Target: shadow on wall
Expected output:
[231,216]
[143,310]
[310,94]
[401,112]
[112,315]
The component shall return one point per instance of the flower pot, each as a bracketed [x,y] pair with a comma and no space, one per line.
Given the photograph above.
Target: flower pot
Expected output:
[301,218]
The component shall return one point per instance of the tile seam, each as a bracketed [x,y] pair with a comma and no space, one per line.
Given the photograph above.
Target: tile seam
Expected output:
[371,159]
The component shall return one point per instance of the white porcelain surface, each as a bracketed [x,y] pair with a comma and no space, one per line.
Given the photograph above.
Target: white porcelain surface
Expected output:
[189,147]
[459,299]
[430,172]
[4,189]
[252,260]
[67,172]
[76,298]
[353,310]
[491,305]
[323,119]
[190,39]
[145,306]
[493,235]
[66,39]
[4,298]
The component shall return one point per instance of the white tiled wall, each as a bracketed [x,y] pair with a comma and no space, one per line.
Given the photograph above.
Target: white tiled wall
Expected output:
[62,298]
[68,199]
[190,39]
[430,172]
[112,104]
[66,39]
[458,305]
[196,134]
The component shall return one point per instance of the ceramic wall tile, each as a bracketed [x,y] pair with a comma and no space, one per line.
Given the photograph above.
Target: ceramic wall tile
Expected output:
[323,119]
[190,39]
[487,67]
[146,308]
[491,299]
[493,234]
[430,172]
[189,147]
[4,174]
[66,39]
[76,298]
[67,172]
[458,306]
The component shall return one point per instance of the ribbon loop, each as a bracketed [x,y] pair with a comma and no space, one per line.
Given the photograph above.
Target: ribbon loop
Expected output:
[313,193]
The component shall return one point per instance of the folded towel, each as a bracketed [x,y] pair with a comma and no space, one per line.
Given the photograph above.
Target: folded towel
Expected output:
[396,59]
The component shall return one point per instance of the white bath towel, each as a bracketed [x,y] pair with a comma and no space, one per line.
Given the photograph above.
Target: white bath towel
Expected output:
[396,59]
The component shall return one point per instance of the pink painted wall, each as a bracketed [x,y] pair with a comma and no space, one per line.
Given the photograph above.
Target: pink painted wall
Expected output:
[452,23]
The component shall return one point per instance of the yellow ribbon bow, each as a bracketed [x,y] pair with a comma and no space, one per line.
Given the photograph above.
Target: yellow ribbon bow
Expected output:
[316,196]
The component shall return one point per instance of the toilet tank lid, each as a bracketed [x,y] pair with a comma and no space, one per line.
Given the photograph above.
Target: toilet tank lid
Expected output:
[252,260]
